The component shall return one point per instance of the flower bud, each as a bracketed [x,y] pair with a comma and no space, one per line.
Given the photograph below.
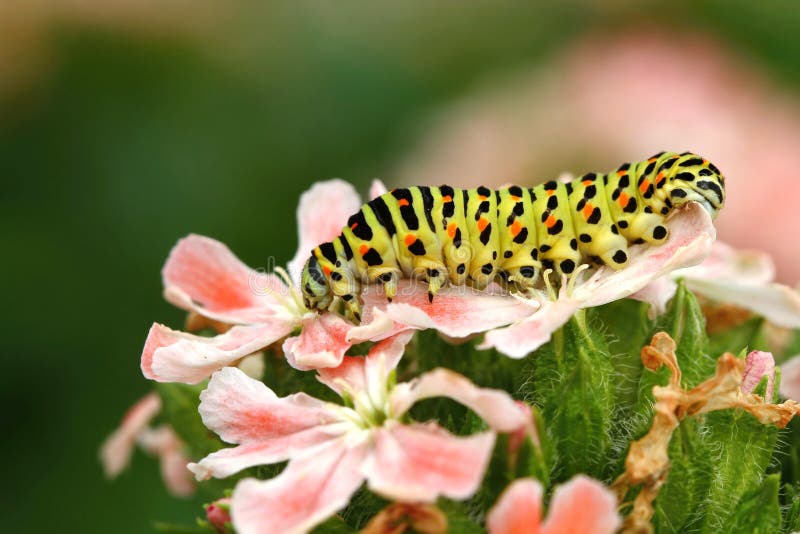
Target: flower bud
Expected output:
[218,514]
[757,365]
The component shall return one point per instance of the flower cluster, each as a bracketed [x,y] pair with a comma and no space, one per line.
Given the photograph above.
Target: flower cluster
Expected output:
[399,423]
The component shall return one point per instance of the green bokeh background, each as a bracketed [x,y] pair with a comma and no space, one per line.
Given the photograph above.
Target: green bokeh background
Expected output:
[129,138]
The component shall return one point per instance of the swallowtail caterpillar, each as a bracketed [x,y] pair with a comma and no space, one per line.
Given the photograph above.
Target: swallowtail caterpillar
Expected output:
[443,235]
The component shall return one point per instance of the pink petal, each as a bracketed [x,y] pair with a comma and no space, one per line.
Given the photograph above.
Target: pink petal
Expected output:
[359,373]
[203,275]
[518,510]
[522,338]
[307,492]
[582,505]
[759,364]
[495,407]
[322,342]
[727,263]
[164,443]
[321,215]
[455,311]
[691,236]
[422,462]
[241,409]
[350,371]
[116,451]
[269,428]
[226,462]
[777,303]
[790,378]
[377,188]
[173,356]
[376,325]
[657,293]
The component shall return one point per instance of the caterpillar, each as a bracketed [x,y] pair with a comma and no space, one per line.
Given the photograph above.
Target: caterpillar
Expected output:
[444,235]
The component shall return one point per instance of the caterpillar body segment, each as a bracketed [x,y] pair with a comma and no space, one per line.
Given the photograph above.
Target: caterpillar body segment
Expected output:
[445,235]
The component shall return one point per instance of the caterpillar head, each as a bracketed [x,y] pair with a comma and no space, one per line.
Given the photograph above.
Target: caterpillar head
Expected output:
[694,178]
[316,292]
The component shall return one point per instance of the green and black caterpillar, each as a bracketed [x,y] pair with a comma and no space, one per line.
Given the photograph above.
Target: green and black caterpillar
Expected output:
[446,235]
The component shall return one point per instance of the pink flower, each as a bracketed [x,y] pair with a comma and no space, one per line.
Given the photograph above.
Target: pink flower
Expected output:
[740,277]
[579,506]
[162,442]
[757,365]
[333,448]
[203,276]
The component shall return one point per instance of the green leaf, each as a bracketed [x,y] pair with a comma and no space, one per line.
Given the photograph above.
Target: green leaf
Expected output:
[627,329]
[791,519]
[363,506]
[284,380]
[487,368]
[742,452]
[685,323]
[788,452]
[687,481]
[746,335]
[537,461]
[572,381]
[459,519]
[334,525]
[757,512]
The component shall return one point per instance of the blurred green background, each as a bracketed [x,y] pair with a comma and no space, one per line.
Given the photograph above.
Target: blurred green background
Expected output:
[124,126]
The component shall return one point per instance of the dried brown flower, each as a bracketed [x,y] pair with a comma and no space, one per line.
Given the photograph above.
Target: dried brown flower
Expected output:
[647,463]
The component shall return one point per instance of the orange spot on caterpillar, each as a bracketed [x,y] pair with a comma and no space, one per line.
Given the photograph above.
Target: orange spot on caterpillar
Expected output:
[660,178]
[623,199]
[551,192]
[451,230]
[482,223]
[551,220]
[514,198]
[402,202]
[621,173]
[644,185]
[354,226]
[447,198]
[651,160]
[516,228]
[326,270]
[409,239]
[588,209]
[482,197]
[587,183]
[364,249]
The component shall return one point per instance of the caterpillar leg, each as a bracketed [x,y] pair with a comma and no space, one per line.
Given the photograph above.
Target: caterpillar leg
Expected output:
[431,271]
[386,276]
[352,308]
[647,228]
[436,279]
[348,288]
[615,257]
[523,278]
[656,233]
